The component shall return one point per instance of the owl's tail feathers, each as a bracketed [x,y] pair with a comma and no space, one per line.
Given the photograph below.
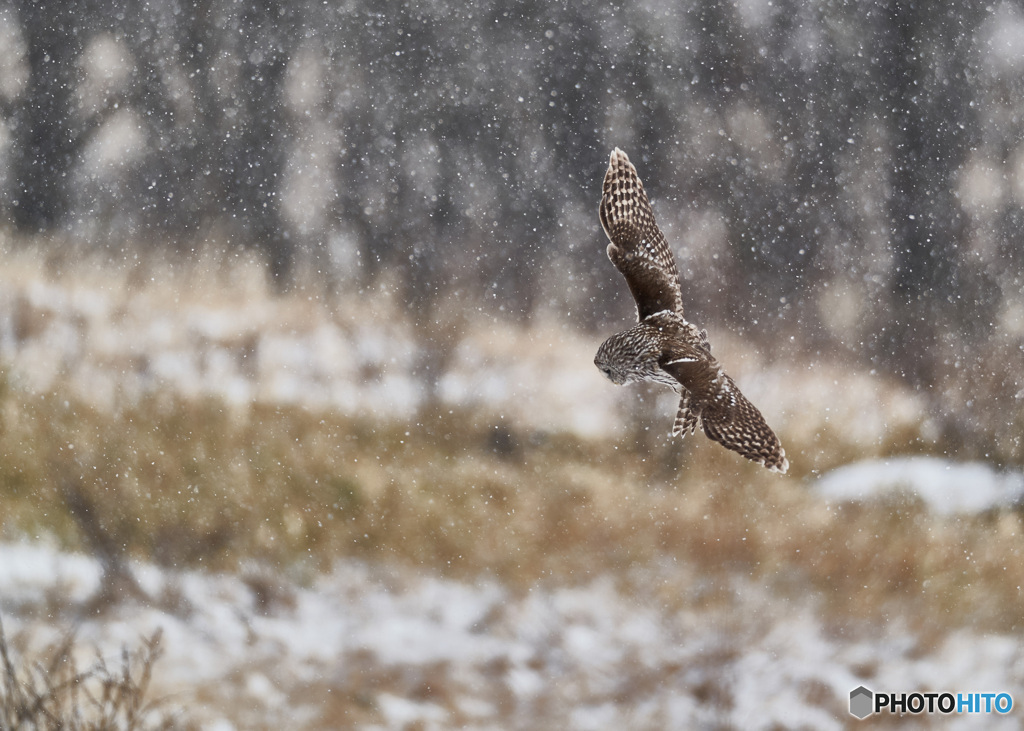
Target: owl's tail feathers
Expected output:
[687,418]
[736,424]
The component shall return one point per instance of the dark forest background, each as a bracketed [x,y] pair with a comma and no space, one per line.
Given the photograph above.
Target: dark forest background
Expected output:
[851,173]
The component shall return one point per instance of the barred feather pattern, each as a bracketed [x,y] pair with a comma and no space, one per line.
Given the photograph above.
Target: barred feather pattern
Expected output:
[663,347]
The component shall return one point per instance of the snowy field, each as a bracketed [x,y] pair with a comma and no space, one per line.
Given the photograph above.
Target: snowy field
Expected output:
[421,652]
[298,310]
[110,344]
[653,647]
[110,340]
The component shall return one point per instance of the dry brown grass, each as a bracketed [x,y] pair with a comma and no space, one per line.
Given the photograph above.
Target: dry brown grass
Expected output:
[50,690]
[198,481]
[188,483]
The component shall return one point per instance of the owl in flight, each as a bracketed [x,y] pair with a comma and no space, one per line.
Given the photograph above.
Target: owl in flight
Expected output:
[663,346]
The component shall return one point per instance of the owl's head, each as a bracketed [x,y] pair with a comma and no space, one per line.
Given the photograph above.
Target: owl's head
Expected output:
[616,359]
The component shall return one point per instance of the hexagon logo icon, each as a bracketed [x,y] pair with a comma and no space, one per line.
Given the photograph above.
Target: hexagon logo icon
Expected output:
[861,701]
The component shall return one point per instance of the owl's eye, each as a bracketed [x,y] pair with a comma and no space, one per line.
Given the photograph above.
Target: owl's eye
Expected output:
[607,371]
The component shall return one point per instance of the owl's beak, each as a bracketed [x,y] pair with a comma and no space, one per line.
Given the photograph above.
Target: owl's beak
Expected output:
[608,373]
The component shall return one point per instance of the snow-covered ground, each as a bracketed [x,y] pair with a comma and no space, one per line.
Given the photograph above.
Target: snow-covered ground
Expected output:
[106,343]
[945,487]
[371,645]
[443,654]
[109,340]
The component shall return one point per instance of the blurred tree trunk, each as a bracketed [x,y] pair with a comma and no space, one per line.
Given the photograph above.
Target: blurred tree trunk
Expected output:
[47,140]
[927,105]
[185,187]
[258,144]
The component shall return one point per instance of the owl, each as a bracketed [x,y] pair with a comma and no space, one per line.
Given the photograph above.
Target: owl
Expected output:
[663,346]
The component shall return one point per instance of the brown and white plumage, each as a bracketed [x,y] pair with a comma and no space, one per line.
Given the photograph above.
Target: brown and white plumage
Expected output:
[662,346]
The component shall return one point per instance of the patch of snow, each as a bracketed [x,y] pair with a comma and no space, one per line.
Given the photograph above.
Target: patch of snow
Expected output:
[432,651]
[946,487]
[402,712]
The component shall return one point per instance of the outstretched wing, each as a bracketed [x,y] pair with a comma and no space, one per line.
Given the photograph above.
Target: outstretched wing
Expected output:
[735,423]
[711,399]
[638,248]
